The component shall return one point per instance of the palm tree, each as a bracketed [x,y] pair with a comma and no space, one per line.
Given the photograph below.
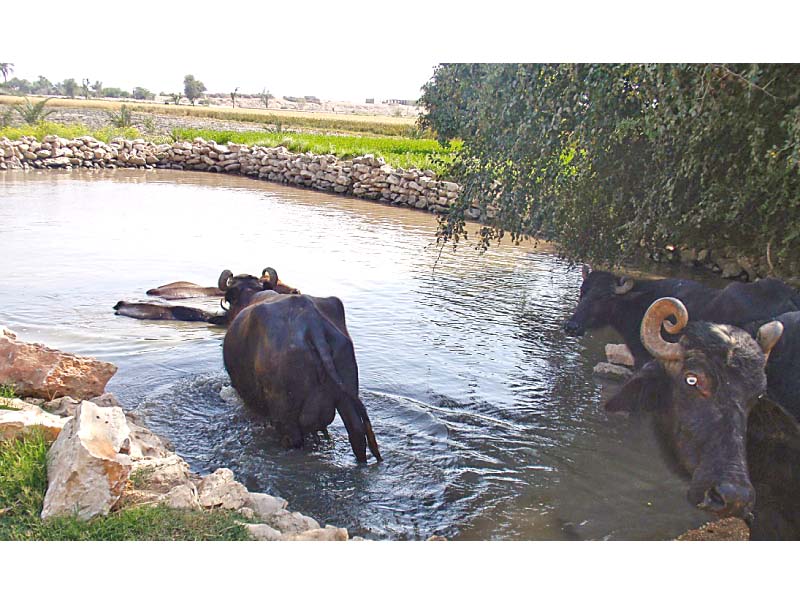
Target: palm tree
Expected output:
[6,69]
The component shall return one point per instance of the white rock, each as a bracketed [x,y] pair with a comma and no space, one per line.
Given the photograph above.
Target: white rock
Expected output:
[87,469]
[290,523]
[22,418]
[328,534]
[262,532]
[618,354]
[220,489]
[181,496]
[265,505]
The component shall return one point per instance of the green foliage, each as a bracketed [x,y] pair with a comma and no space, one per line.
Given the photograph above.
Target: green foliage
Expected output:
[613,160]
[398,152]
[7,390]
[23,484]
[140,93]
[70,87]
[71,131]
[114,92]
[122,117]
[33,113]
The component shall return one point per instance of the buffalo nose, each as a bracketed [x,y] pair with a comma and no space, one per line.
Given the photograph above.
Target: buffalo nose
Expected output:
[571,328]
[729,499]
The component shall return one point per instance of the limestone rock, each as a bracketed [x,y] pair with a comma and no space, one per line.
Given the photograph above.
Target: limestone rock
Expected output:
[265,505]
[146,444]
[21,418]
[262,532]
[613,372]
[291,523]
[160,474]
[220,489]
[618,354]
[36,370]
[328,534]
[181,496]
[87,466]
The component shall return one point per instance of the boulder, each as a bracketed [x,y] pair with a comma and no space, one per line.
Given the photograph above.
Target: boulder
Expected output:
[36,370]
[291,523]
[18,418]
[618,354]
[221,490]
[160,474]
[262,532]
[181,496]
[88,465]
[613,372]
[264,505]
[328,534]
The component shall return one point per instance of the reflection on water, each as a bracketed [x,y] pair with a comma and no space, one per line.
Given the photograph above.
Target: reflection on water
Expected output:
[487,415]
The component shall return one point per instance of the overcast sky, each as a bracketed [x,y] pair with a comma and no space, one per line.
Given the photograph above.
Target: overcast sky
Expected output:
[354,49]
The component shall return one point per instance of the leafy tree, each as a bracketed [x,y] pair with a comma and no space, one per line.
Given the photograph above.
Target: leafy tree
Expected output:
[85,88]
[115,92]
[97,88]
[140,93]
[233,97]
[42,86]
[70,87]
[611,161]
[22,86]
[176,98]
[6,69]
[193,88]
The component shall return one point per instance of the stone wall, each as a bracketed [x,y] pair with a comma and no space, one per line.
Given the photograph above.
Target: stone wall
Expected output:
[365,177]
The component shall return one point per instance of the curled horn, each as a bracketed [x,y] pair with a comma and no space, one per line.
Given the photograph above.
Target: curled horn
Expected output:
[768,335]
[273,276]
[625,286]
[224,280]
[654,318]
[223,302]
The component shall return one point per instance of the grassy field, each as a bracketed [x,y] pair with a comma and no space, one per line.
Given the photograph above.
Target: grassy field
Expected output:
[23,484]
[396,151]
[379,125]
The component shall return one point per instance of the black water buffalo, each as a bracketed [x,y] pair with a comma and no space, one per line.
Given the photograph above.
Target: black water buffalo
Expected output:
[183,289]
[707,395]
[620,302]
[163,312]
[290,358]
[783,368]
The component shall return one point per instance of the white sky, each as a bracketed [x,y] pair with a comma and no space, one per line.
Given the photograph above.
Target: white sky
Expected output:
[354,49]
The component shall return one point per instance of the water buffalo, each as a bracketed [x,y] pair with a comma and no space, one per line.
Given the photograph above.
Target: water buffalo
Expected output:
[620,302]
[183,289]
[163,312]
[706,393]
[291,358]
[783,368]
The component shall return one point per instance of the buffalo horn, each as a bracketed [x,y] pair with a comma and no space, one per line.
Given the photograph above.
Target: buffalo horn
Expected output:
[222,303]
[654,318]
[273,276]
[625,286]
[768,335]
[224,280]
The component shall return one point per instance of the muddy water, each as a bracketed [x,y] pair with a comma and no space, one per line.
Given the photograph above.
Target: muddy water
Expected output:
[488,417]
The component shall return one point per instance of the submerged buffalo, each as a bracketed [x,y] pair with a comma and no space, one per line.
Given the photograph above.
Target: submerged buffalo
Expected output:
[707,395]
[291,358]
[180,290]
[620,303]
[269,280]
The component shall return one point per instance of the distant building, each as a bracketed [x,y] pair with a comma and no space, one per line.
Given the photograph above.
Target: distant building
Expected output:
[370,100]
[403,102]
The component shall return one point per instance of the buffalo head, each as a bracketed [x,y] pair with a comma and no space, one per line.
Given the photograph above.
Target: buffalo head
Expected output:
[598,302]
[701,390]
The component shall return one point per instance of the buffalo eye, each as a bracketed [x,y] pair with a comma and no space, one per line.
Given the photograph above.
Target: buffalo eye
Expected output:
[691,379]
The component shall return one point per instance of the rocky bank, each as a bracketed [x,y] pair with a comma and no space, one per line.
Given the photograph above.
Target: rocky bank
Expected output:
[103,459]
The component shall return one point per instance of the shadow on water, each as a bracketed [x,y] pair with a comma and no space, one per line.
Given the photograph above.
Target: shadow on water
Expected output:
[487,416]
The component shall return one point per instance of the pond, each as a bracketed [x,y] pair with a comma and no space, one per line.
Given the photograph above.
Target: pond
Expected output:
[488,417]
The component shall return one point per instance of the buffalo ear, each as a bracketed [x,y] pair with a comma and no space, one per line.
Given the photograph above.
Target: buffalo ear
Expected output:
[643,392]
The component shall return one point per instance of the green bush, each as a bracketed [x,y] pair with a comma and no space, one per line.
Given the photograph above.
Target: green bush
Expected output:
[612,161]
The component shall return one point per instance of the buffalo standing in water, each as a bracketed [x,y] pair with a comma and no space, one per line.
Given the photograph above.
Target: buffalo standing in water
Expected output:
[291,358]
[707,394]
